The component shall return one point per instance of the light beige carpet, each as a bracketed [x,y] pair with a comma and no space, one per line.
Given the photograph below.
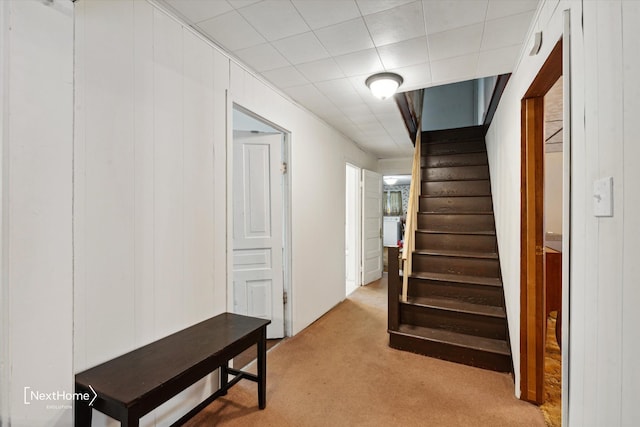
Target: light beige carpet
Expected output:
[341,372]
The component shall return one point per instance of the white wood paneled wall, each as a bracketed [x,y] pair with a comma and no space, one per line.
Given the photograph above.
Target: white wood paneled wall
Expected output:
[604,347]
[36,149]
[149,158]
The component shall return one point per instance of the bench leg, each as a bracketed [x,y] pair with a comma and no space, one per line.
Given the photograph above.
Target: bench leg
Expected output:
[224,378]
[262,369]
[130,421]
[82,410]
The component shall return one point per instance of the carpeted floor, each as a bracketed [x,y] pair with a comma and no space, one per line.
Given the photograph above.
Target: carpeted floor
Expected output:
[340,371]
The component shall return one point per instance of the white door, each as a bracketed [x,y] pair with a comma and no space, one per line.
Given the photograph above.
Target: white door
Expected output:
[352,229]
[371,226]
[258,229]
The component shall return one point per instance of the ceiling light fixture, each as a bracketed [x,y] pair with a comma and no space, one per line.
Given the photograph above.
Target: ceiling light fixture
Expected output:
[390,180]
[384,85]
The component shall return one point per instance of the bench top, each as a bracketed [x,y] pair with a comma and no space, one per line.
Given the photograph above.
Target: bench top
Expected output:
[130,377]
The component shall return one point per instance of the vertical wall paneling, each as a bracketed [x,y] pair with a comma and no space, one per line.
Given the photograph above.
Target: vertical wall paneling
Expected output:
[220,129]
[108,174]
[198,177]
[580,200]
[5,355]
[170,309]
[631,199]
[37,135]
[143,180]
[610,155]
[570,37]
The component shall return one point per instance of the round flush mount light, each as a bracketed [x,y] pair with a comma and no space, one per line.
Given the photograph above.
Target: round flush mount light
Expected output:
[389,180]
[384,85]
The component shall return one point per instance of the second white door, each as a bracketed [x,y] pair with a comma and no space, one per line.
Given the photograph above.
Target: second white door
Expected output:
[258,229]
[371,226]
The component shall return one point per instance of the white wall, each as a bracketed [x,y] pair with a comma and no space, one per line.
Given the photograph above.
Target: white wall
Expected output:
[37,114]
[318,155]
[151,181]
[400,166]
[603,376]
[149,169]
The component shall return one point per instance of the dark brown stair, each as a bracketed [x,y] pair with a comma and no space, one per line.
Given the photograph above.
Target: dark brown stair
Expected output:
[455,307]
[484,353]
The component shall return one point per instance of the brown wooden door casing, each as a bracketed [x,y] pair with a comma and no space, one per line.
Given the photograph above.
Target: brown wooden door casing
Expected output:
[532,289]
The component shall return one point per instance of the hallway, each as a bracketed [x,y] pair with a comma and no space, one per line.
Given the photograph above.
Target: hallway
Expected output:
[340,371]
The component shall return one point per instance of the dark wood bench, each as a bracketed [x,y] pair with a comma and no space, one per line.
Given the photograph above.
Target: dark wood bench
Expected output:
[132,385]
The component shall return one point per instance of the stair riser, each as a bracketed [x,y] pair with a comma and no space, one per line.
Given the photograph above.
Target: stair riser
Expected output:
[454,148]
[457,188]
[452,353]
[457,242]
[471,132]
[455,173]
[476,294]
[456,265]
[444,222]
[463,323]
[456,204]
[466,159]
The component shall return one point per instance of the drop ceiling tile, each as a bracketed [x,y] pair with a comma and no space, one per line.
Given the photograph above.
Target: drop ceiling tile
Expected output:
[198,11]
[415,76]
[358,83]
[238,4]
[307,94]
[446,15]
[397,24]
[346,37]
[301,48]
[322,13]
[454,69]
[506,31]
[367,7]
[275,19]
[360,62]
[231,31]
[502,8]
[498,61]
[262,57]
[457,42]
[405,53]
[321,70]
[285,77]
[339,91]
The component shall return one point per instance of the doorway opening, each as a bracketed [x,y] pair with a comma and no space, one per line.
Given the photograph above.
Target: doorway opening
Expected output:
[353,227]
[395,202]
[259,219]
[545,118]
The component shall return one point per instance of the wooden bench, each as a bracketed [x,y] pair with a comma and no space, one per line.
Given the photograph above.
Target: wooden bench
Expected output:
[132,385]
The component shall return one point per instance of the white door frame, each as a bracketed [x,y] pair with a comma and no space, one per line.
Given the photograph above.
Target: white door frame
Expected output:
[357,229]
[286,210]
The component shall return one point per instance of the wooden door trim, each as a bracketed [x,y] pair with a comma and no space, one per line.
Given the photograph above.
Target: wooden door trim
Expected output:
[532,309]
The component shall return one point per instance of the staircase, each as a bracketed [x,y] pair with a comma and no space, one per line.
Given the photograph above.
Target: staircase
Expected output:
[455,306]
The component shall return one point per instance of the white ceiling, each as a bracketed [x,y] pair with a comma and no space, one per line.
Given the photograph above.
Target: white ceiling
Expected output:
[320,52]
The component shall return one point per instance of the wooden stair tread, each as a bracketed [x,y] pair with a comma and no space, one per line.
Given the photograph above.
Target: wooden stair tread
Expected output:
[470,233]
[458,278]
[457,213]
[457,306]
[451,180]
[453,338]
[447,196]
[455,253]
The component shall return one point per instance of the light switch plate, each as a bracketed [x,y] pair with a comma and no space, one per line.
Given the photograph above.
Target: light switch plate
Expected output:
[603,197]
